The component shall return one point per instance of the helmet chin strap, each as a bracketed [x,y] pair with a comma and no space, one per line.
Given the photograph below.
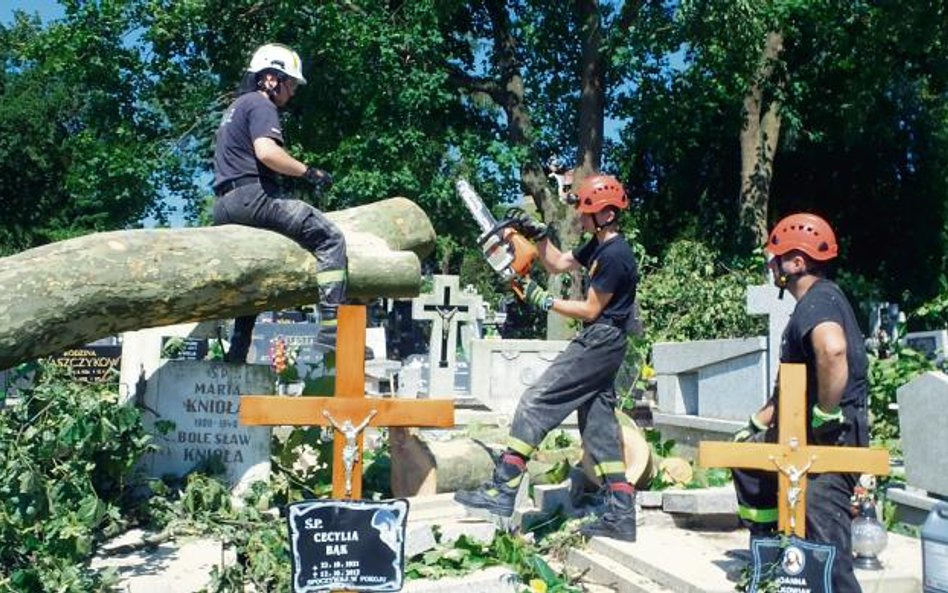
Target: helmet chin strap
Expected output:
[271,92]
[783,279]
[599,227]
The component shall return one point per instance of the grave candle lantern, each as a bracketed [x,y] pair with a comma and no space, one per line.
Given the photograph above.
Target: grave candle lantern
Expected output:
[869,537]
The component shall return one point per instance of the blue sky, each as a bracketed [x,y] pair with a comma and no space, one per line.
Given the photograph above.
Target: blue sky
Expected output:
[47,9]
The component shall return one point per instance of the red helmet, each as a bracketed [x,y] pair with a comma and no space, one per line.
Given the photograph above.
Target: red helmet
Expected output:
[600,191]
[806,232]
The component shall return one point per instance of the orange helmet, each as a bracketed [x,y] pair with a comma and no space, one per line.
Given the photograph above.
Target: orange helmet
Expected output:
[600,191]
[806,232]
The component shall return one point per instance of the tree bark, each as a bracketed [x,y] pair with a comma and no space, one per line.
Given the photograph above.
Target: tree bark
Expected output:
[71,292]
[759,138]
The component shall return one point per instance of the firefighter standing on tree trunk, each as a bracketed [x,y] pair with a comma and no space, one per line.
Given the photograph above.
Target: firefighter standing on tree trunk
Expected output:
[823,334]
[582,377]
[248,156]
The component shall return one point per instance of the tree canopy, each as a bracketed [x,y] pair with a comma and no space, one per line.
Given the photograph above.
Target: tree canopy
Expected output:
[720,116]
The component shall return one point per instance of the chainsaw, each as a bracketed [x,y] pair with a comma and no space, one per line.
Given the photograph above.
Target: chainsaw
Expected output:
[507,252]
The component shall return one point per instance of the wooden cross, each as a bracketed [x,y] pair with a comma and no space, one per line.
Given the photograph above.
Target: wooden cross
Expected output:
[349,410]
[791,455]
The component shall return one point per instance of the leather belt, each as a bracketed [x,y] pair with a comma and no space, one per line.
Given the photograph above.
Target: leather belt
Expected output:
[229,186]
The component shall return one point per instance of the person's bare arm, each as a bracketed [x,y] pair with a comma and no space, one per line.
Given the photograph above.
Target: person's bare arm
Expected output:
[554,260]
[275,157]
[587,310]
[832,368]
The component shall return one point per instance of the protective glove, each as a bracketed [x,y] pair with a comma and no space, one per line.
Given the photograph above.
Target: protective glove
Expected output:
[753,427]
[320,179]
[532,228]
[529,227]
[535,295]
[827,426]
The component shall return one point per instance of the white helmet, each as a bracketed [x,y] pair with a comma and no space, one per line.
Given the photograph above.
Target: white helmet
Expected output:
[275,56]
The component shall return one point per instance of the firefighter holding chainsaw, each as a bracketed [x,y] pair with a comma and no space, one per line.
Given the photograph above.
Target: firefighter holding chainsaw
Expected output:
[823,334]
[581,378]
[248,157]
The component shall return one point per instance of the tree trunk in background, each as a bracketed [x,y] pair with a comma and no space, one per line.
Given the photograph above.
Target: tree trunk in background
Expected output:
[71,292]
[759,138]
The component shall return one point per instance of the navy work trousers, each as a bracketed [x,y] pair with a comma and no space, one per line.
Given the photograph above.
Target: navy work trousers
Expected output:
[258,206]
[581,378]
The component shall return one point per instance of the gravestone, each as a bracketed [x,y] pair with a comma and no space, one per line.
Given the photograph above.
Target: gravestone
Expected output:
[932,344]
[922,405]
[142,352]
[297,335]
[764,300]
[446,306]
[717,379]
[501,370]
[202,399]
[92,363]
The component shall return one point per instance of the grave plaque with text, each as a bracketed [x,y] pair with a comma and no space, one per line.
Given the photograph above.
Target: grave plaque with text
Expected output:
[355,545]
[795,565]
[90,364]
[202,399]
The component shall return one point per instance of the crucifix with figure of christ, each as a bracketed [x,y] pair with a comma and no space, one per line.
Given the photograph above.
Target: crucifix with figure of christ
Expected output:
[350,411]
[791,456]
[446,307]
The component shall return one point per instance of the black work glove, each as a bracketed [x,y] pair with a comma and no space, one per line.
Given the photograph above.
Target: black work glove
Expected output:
[752,427]
[526,225]
[532,228]
[320,179]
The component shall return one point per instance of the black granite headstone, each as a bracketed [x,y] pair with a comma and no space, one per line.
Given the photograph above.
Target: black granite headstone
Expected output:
[355,545]
[91,363]
[795,565]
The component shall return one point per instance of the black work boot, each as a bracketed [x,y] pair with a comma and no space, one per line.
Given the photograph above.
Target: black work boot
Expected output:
[497,496]
[618,519]
[328,324]
[241,339]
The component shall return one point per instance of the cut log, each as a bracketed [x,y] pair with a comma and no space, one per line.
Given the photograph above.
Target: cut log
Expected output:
[71,292]
[421,467]
[640,463]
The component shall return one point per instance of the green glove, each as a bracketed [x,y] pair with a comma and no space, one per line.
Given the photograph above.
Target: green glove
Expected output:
[828,427]
[820,418]
[534,294]
[752,427]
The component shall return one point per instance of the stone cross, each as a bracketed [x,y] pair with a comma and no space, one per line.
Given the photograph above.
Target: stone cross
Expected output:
[791,455]
[446,307]
[350,408]
[763,300]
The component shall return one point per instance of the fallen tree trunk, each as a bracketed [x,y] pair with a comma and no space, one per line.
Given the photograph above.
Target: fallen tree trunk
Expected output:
[420,467]
[71,292]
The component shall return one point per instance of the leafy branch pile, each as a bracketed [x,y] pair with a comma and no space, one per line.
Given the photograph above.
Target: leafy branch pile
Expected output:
[66,451]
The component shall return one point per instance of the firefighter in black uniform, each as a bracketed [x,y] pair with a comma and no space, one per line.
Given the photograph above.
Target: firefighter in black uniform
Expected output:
[823,334]
[581,378]
[248,156]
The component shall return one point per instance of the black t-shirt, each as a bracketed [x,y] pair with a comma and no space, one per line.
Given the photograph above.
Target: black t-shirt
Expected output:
[824,301]
[250,117]
[611,268]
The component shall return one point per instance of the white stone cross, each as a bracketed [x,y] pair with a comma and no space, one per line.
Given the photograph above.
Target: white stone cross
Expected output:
[446,306]
[763,300]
